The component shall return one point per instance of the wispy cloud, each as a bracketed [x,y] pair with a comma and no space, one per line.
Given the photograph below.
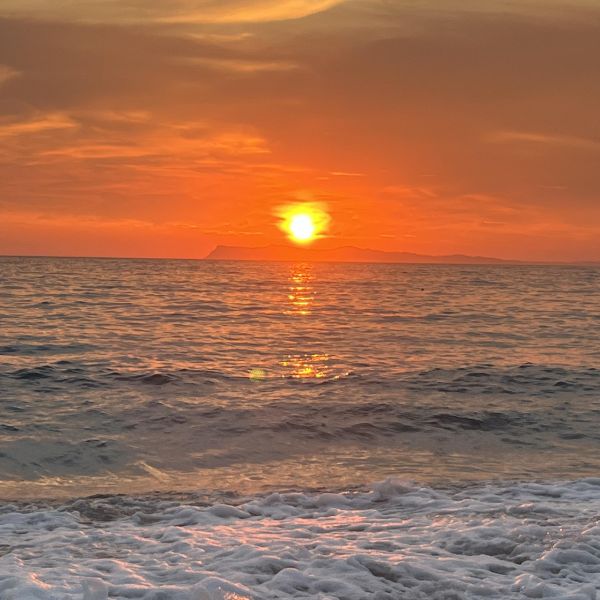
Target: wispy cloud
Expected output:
[37,124]
[238,11]
[530,137]
[7,73]
[166,142]
[172,11]
[346,174]
[239,65]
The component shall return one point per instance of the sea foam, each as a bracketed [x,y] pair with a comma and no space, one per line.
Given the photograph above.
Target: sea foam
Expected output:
[395,540]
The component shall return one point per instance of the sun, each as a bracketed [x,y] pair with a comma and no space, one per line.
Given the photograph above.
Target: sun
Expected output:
[303,222]
[302,228]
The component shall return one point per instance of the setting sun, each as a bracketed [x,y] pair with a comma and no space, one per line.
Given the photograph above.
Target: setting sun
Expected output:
[303,223]
[302,228]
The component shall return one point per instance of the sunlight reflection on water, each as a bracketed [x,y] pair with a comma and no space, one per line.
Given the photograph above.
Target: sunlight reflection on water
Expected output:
[301,298]
[306,366]
[301,292]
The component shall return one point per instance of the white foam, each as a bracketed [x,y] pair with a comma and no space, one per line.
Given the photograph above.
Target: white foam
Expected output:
[397,541]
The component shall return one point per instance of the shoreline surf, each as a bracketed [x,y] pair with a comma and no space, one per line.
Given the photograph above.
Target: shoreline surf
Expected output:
[395,539]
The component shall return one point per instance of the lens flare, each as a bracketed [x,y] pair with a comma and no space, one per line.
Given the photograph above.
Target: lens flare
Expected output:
[303,223]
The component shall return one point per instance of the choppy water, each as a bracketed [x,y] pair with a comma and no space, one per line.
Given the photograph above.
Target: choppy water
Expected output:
[122,375]
[215,383]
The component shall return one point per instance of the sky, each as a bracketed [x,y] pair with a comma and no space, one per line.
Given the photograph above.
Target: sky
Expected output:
[158,128]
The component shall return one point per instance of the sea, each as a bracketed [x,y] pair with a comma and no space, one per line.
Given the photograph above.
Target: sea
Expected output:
[211,430]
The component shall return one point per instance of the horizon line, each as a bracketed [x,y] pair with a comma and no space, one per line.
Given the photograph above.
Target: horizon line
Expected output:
[509,262]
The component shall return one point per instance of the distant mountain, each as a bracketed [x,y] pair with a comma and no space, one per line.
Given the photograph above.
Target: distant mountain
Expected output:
[343,254]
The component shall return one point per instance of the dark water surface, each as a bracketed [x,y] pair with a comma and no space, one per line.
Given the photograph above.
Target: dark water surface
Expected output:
[136,375]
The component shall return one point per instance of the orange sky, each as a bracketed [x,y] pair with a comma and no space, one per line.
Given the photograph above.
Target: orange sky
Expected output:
[163,128]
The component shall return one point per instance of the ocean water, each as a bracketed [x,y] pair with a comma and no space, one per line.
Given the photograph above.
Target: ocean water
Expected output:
[233,431]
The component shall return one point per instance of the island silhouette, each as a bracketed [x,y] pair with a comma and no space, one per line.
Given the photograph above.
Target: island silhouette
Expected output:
[342,254]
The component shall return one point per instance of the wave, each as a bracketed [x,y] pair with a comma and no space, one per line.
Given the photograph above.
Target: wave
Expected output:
[73,373]
[393,540]
[483,379]
[438,421]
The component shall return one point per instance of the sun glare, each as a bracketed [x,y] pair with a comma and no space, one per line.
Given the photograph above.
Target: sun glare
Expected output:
[302,228]
[303,223]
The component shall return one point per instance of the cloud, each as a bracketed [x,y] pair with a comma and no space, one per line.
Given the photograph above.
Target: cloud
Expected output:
[239,65]
[36,124]
[6,73]
[217,11]
[346,174]
[173,11]
[544,138]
